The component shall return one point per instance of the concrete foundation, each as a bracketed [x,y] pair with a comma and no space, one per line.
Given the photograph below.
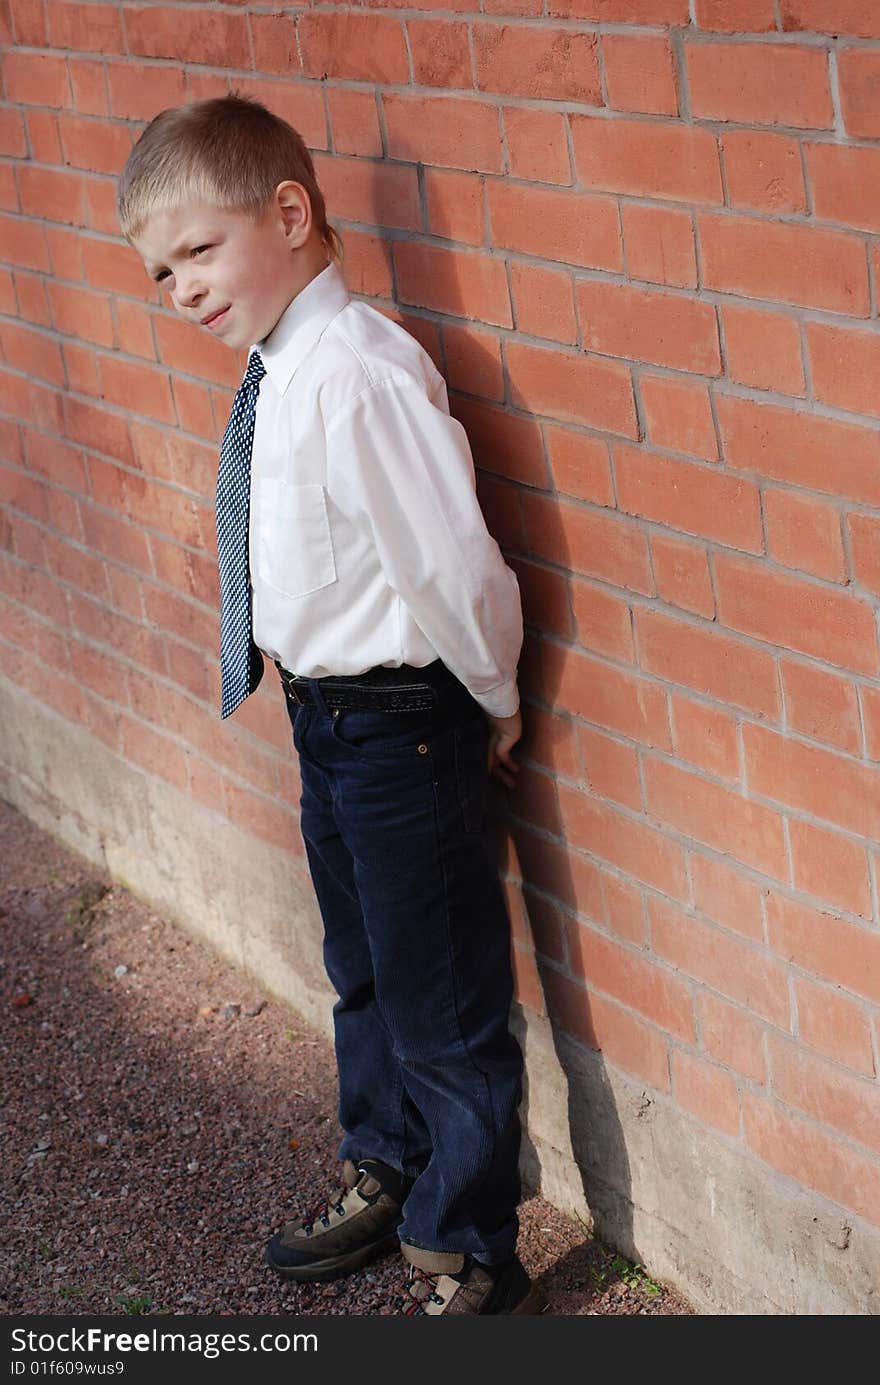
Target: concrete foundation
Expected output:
[697,1211]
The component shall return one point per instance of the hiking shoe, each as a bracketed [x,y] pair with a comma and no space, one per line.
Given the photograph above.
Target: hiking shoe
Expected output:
[441,1282]
[358,1222]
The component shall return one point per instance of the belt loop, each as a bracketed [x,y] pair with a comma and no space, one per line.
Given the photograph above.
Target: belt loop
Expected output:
[317,694]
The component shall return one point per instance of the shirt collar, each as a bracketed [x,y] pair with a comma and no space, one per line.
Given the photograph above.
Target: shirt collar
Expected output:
[301,324]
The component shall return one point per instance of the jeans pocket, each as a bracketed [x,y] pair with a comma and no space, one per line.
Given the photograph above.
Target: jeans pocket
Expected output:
[384,735]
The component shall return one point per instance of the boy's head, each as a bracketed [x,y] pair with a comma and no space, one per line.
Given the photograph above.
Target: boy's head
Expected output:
[221,201]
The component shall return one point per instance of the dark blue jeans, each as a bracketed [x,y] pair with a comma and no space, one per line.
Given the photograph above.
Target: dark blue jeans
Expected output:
[417,946]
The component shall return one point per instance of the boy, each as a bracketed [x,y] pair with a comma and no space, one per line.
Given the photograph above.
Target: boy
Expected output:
[353,553]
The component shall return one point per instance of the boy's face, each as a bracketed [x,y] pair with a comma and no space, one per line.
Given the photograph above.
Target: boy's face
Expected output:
[224,271]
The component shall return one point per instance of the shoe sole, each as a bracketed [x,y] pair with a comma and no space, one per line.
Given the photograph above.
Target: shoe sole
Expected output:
[319,1271]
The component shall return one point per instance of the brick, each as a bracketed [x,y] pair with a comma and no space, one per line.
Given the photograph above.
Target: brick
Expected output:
[604,622]
[763,349]
[802,616]
[54,194]
[545,599]
[663,329]
[572,389]
[36,79]
[81,313]
[81,365]
[118,268]
[845,184]
[32,402]
[739,971]
[552,740]
[724,894]
[624,908]
[138,91]
[821,705]
[805,533]
[832,868]
[623,841]
[834,1025]
[96,28]
[33,353]
[580,464]
[846,1103]
[611,698]
[701,500]
[803,265]
[33,304]
[864,532]
[640,74]
[28,21]
[659,12]
[12,136]
[706,1091]
[134,331]
[545,866]
[707,661]
[23,243]
[812,1157]
[762,83]
[443,130]
[611,770]
[537,63]
[659,245]
[455,203]
[94,144]
[844,366]
[378,194]
[440,53]
[65,255]
[115,538]
[220,38]
[543,302]
[88,82]
[811,779]
[731,1036]
[827,947]
[353,47]
[275,49]
[467,285]
[787,445]
[706,737]
[503,443]
[859,76]
[627,976]
[55,459]
[597,545]
[681,571]
[647,159]
[625,1041]
[679,415]
[139,388]
[537,145]
[748,831]
[473,361]
[763,171]
[858,18]
[871,714]
[557,225]
[736,16]
[354,119]
[188,573]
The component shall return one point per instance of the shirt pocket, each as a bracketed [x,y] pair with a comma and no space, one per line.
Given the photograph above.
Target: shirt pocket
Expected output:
[293,547]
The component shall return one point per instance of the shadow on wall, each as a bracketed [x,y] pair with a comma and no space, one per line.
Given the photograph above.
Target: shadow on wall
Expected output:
[509,453]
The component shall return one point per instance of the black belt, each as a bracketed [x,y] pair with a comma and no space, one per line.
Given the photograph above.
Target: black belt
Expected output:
[404,689]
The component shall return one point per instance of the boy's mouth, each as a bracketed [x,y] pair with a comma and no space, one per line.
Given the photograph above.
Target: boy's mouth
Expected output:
[214,319]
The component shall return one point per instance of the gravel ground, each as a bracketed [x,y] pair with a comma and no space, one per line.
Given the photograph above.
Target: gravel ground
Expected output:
[161,1115]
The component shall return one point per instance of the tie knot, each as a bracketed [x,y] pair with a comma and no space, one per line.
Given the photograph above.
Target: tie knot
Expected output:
[255,369]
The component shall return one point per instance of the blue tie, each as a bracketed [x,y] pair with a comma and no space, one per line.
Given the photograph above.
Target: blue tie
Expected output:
[241,664]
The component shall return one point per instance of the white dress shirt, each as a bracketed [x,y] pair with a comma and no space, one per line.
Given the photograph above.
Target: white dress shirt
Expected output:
[367,543]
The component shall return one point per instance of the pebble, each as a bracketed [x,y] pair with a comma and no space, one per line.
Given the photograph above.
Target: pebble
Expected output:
[120,971]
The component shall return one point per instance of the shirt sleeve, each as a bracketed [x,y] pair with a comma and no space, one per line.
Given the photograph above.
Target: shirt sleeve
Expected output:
[399,463]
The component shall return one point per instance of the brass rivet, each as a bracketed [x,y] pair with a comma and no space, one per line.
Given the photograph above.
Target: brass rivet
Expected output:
[335,712]
[423,749]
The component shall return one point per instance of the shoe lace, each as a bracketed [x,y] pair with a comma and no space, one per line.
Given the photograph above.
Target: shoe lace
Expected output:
[321,1211]
[421,1287]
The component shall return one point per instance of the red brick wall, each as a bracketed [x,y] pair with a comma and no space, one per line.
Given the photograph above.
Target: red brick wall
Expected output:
[642,239]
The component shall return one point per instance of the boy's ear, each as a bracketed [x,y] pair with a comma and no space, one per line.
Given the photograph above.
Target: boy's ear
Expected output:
[295,208]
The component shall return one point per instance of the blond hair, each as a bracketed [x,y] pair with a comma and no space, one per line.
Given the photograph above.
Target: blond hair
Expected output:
[229,150]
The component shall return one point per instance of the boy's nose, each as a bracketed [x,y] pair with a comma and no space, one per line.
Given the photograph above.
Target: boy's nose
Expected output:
[188,291]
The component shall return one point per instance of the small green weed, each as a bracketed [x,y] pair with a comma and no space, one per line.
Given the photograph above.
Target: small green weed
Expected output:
[635,1276]
[134,1303]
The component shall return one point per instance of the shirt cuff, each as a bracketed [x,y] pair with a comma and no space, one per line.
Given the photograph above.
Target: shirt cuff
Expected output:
[502,701]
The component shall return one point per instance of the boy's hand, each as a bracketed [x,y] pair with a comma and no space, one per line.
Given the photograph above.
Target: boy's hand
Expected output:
[504,732]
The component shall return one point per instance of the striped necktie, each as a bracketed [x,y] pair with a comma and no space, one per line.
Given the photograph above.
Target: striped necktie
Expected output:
[241,664]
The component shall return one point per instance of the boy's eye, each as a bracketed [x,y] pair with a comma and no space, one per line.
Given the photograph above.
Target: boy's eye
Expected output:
[199,249]
[163,274]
